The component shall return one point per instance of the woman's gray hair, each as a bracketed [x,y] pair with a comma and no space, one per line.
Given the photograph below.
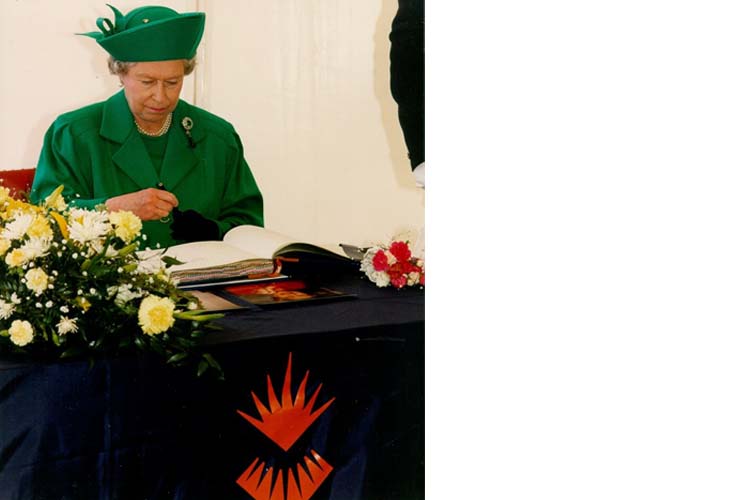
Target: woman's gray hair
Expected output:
[121,68]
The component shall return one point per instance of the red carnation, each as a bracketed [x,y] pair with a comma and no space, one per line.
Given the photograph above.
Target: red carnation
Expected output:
[399,268]
[401,251]
[413,268]
[380,261]
[398,281]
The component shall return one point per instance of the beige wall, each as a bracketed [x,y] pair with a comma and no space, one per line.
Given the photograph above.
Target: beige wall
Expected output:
[305,83]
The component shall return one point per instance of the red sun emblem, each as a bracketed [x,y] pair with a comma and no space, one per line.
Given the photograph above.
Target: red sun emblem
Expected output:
[283,423]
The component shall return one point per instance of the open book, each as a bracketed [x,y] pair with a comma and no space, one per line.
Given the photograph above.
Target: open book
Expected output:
[251,253]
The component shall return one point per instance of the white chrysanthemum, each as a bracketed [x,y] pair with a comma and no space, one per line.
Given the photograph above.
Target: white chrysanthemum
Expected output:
[36,247]
[380,278]
[17,227]
[88,226]
[67,325]
[14,298]
[366,264]
[125,295]
[6,309]
[36,280]
[149,262]
[21,332]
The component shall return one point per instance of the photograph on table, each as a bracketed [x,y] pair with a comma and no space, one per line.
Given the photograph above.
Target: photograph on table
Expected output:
[285,293]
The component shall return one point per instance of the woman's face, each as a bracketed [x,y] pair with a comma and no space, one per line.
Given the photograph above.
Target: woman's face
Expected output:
[152,90]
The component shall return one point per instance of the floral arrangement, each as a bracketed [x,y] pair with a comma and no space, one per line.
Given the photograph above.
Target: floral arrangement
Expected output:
[393,265]
[72,283]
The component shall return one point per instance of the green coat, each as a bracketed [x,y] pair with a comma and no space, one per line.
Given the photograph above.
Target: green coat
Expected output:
[96,152]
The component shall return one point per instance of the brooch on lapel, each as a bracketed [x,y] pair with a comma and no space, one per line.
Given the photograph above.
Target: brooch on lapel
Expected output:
[187,124]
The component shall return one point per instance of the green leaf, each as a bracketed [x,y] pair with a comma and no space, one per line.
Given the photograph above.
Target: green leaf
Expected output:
[128,249]
[211,361]
[197,315]
[184,344]
[73,351]
[129,268]
[170,261]
[186,315]
[176,358]
[202,367]
[140,343]
[158,348]
[208,317]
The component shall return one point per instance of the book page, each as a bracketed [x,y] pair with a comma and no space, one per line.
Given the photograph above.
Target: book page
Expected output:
[265,243]
[199,254]
[257,240]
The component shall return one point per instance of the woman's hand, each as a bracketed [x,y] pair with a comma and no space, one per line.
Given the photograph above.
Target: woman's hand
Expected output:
[148,204]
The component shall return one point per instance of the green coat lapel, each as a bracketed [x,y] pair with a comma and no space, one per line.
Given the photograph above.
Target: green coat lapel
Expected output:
[180,158]
[131,156]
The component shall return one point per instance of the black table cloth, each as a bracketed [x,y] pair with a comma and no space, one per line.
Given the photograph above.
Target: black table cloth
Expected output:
[132,428]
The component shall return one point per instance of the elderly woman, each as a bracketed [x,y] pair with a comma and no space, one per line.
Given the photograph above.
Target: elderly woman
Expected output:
[179,168]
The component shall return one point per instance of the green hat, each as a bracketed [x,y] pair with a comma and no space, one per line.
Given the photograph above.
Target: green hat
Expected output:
[150,34]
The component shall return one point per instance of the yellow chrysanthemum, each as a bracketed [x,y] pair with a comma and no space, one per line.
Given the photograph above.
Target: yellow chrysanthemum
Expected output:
[127,225]
[40,228]
[13,206]
[36,280]
[17,257]
[4,246]
[155,314]
[21,332]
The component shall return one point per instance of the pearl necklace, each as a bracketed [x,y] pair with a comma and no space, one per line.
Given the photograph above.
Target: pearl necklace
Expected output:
[163,130]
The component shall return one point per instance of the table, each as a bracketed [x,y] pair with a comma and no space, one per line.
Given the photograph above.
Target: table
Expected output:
[130,427]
